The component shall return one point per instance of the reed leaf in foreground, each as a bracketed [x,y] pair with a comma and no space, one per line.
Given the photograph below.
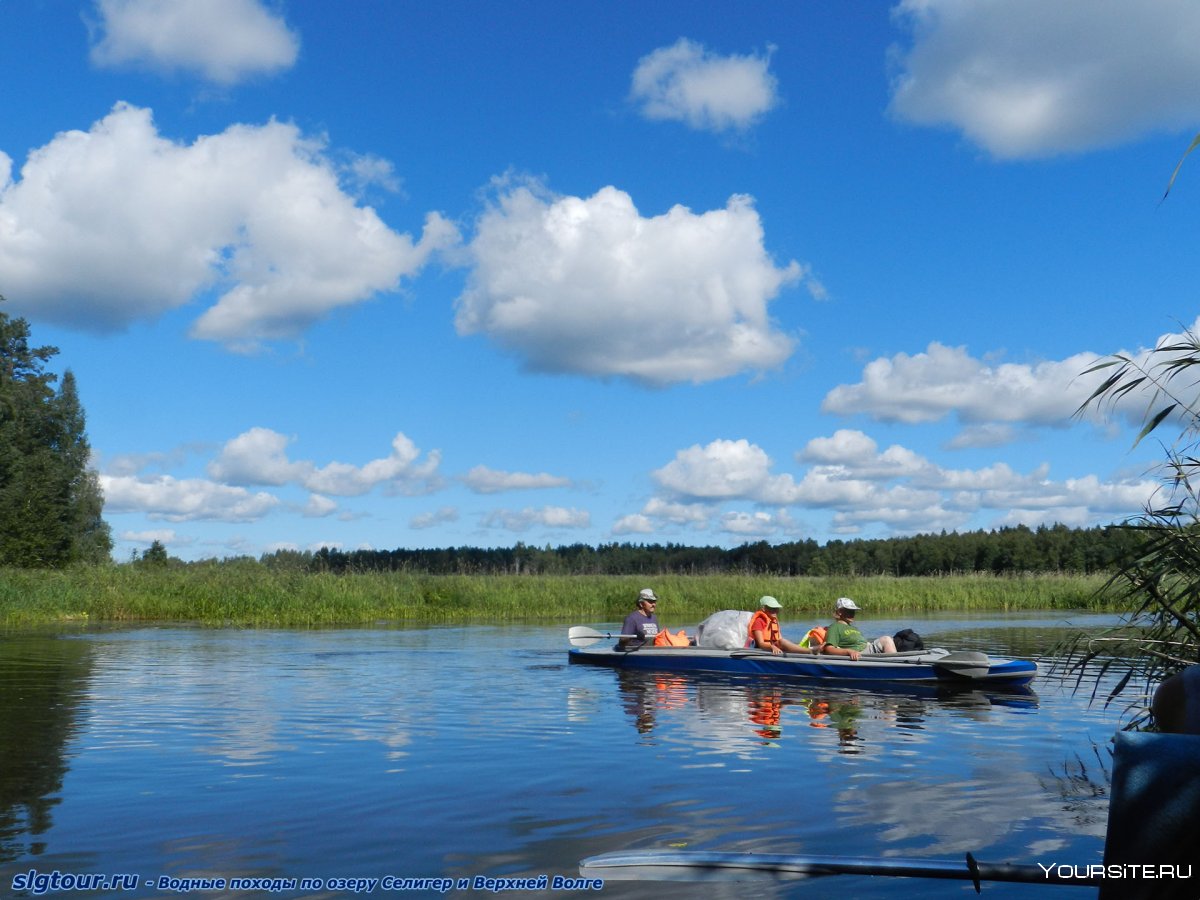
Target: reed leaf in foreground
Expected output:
[1160,583]
[1162,635]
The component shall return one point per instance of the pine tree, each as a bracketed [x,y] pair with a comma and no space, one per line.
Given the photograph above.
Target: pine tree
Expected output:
[89,538]
[50,500]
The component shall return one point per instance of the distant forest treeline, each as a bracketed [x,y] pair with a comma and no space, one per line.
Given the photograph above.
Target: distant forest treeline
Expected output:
[1006,551]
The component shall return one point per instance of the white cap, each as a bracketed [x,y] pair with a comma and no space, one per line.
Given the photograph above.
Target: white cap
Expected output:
[770,602]
[647,594]
[846,603]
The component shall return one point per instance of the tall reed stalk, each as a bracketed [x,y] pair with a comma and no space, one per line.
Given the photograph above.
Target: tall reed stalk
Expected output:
[253,595]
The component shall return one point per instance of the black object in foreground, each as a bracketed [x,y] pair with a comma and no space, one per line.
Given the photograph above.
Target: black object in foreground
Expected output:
[716,866]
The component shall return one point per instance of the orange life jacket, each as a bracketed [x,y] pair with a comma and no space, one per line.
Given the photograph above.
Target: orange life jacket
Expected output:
[814,636]
[665,639]
[764,623]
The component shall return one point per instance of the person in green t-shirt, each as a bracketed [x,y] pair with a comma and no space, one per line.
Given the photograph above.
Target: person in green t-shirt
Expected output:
[843,639]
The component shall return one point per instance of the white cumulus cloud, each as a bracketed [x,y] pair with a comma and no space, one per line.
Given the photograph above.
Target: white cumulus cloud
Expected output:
[441,515]
[258,456]
[928,386]
[996,401]
[723,470]
[635,523]
[162,535]
[117,224]
[858,485]
[223,40]
[757,524]
[1028,78]
[590,286]
[183,499]
[529,517]
[688,83]
[483,480]
[319,507]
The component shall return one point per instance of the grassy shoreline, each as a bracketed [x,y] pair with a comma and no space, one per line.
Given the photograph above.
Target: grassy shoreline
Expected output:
[254,596]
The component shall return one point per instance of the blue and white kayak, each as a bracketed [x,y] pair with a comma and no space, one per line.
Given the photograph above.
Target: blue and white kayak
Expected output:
[915,666]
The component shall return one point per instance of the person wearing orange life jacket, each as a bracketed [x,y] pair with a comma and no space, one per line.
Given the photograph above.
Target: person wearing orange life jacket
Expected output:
[764,633]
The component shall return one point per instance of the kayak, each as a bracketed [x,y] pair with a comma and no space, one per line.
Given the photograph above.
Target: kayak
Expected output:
[914,666]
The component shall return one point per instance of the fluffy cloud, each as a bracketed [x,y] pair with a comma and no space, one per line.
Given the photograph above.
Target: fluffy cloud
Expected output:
[183,500]
[986,434]
[860,485]
[258,457]
[902,520]
[998,401]
[547,517]
[483,480]
[635,523]
[162,535]
[847,450]
[400,472]
[432,519]
[687,83]
[679,513]
[222,40]
[589,286]
[659,512]
[724,470]
[929,386]
[319,507]
[1025,78]
[758,524]
[117,224]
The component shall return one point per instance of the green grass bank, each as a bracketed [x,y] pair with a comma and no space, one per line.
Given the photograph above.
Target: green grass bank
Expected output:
[255,596]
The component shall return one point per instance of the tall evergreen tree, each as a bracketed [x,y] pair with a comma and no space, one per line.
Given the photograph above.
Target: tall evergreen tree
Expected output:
[50,500]
[89,537]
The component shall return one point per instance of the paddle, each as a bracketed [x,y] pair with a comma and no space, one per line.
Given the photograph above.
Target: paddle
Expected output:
[582,636]
[964,664]
[705,866]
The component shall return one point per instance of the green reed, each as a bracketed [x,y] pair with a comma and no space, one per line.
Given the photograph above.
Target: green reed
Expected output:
[248,594]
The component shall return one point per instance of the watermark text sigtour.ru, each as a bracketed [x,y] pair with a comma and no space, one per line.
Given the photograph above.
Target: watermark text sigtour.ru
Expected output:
[1123,870]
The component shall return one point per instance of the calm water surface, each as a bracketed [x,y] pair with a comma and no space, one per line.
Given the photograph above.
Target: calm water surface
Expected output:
[478,751]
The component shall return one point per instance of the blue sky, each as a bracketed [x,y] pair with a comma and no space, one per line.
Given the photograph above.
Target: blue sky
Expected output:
[381,274]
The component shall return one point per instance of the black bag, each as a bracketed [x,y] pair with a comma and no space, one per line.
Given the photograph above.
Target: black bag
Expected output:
[908,640]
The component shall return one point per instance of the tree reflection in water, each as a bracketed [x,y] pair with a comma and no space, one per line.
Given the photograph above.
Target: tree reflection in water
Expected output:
[44,678]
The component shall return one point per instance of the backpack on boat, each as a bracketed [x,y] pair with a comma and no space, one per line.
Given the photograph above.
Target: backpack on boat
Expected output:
[665,639]
[724,630]
[907,639]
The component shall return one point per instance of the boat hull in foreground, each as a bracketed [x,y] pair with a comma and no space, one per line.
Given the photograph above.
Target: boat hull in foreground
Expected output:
[924,666]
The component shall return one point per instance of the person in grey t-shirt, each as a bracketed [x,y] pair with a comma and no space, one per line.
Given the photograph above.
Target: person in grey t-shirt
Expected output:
[642,623]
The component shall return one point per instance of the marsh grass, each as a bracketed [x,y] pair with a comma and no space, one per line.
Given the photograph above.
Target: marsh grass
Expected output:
[255,596]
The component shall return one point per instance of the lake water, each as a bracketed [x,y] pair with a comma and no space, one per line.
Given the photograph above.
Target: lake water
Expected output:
[477,752]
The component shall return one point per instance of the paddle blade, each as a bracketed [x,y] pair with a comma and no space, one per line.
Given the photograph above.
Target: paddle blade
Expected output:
[966,664]
[582,636]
